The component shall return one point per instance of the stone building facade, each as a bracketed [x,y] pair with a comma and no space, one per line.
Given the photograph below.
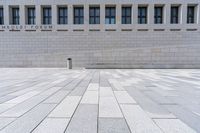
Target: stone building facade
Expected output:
[100,33]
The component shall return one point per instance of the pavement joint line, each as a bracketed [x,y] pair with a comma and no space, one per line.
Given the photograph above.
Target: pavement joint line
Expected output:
[79,101]
[31,109]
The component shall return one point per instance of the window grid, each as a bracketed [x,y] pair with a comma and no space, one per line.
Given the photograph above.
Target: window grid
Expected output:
[126,15]
[1,16]
[142,15]
[47,15]
[110,15]
[15,16]
[174,15]
[158,15]
[94,15]
[31,15]
[62,15]
[78,15]
[190,14]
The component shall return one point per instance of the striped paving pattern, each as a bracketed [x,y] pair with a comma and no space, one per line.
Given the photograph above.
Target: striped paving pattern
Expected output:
[99,101]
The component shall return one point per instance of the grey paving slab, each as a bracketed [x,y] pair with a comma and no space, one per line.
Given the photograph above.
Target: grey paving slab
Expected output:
[90,97]
[30,120]
[185,115]
[173,126]
[5,121]
[138,120]
[6,98]
[66,108]
[93,87]
[158,98]
[128,100]
[4,107]
[150,107]
[113,125]
[52,125]
[78,91]
[57,97]
[24,97]
[124,97]
[108,107]
[84,120]
[22,108]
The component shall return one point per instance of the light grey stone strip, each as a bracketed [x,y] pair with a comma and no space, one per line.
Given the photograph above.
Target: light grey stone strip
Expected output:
[113,125]
[30,120]
[84,120]
[138,121]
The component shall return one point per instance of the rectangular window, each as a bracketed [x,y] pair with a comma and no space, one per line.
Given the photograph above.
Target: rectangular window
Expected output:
[158,15]
[31,15]
[62,15]
[15,16]
[142,15]
[46,15]
[1,16]
[94,15]
[78,15]
[191,14]
[110,16]
[126,15]
[174,14]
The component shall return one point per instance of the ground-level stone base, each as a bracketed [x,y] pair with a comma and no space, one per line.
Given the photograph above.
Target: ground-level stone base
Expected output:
[101,49]
[54,100]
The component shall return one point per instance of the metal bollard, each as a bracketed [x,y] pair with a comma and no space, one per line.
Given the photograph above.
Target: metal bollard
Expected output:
[69,63]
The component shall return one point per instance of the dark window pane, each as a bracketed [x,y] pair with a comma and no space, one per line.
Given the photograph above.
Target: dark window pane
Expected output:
[1,16]
[78,15]
[126,15]
[94,15]
[62,16]
[110,15]
[190,14]
[142,15]
[31,15]
[46,15]
[15,16]
[174,14]
[158,15]
[112,11]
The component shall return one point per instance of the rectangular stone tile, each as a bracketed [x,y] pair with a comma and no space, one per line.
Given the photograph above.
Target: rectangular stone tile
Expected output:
[21,91]
[23,107]
[4,107]
[116,85]
[84,120]
[5,121]
[30,120]
[93,87]
[57,97]
[113,125]
[108,107]
[173,126]
[24,97]
[78,91]
[152,109]
[106,92]
[124,97]
[6,98]
[50,91]
[52,125]
[185,115]
[138,120]
[66,108]
[90,97]
[158,98]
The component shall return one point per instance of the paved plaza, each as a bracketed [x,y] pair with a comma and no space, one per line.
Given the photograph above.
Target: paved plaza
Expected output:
[99,101]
